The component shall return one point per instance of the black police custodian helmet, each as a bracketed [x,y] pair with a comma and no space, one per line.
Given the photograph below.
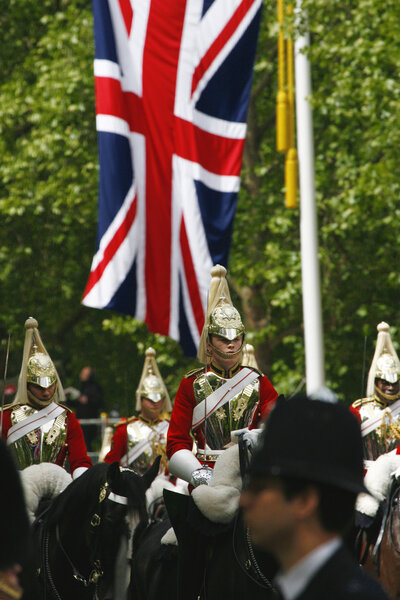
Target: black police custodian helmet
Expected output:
[313,440]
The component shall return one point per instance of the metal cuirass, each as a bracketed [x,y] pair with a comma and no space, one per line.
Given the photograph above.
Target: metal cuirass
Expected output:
[144,442]
[43,444]
[235,414]
[385,437]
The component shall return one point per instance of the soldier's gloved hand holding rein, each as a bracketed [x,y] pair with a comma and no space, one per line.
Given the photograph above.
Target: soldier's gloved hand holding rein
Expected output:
[201,476]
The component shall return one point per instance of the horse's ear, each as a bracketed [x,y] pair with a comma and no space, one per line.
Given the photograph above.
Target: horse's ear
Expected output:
[112,472]
[151,473]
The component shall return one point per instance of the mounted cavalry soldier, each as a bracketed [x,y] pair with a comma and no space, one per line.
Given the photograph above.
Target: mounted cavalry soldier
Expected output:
[212,405]
[37,426]
[221,397]
[380,410]
[137,441]
[380,426]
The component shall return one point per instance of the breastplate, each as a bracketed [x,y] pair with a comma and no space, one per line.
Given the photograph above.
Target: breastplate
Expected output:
[43,444]
[237,413]
[150,441]
[385,437]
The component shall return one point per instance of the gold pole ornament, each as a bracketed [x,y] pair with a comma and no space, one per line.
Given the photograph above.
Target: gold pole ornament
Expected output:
[291,163]
[282,140]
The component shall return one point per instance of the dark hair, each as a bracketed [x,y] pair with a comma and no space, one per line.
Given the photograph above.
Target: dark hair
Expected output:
[336,506]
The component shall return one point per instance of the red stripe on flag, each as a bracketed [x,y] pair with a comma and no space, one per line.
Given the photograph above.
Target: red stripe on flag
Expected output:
[127,13]
[208,149]
[191,279]
[160,64]
[220,42]
[112,247]
[112,100]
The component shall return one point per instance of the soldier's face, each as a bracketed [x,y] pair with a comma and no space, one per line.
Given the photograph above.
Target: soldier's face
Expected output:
[151,410]
[40,392]
[228,346]
[390,389]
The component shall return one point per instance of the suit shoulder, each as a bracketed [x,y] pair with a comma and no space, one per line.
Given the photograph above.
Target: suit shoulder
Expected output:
[69,410]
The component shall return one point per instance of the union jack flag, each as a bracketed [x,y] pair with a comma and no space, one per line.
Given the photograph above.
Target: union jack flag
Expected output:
[172,83]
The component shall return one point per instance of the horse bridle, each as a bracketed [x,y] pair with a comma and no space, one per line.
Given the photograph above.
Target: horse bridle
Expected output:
[251,562]
[104,494]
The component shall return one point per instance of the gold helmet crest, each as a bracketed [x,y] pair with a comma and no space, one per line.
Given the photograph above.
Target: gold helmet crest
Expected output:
[222,317]
[225,321]
[40,370]
[151,385]
[37,366]
[387,369]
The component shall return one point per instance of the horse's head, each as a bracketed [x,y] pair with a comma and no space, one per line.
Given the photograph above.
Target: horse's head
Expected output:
[90,520]
[121,506]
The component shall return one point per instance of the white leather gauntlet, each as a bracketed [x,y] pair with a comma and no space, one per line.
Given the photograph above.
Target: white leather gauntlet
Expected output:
[183,463]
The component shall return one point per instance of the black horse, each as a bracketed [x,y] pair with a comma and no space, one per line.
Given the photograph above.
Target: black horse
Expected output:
[211,561]
[76,540]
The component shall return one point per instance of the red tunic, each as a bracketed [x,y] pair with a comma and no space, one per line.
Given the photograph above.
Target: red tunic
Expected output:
[119,445]
[180,426]
[74,447]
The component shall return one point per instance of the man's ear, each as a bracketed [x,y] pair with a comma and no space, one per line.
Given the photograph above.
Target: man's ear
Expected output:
[306,502]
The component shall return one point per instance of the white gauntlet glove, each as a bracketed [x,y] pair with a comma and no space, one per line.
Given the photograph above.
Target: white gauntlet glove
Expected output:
[201,476]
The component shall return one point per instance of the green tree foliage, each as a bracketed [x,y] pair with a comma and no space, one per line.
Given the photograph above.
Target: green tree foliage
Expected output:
[48,199]
[354,58]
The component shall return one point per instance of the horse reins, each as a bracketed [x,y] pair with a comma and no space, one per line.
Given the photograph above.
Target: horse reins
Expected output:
[95,521]
[251,562]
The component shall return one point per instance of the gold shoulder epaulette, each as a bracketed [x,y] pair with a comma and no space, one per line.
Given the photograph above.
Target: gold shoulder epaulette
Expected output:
[125,422]
[194,372]
[66,407]
[261,374]
[362,401]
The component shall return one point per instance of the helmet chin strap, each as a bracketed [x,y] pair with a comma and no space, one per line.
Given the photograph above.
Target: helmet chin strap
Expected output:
[386,397]
[225,354]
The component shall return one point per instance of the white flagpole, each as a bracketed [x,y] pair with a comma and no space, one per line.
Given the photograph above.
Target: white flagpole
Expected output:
[314,352]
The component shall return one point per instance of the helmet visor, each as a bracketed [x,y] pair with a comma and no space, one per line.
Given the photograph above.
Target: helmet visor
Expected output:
[44,382]
[153,396]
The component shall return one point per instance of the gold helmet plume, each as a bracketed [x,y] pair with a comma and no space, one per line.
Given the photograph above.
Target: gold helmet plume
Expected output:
[385,363]
[37,366]
[151,384]
[222,317]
